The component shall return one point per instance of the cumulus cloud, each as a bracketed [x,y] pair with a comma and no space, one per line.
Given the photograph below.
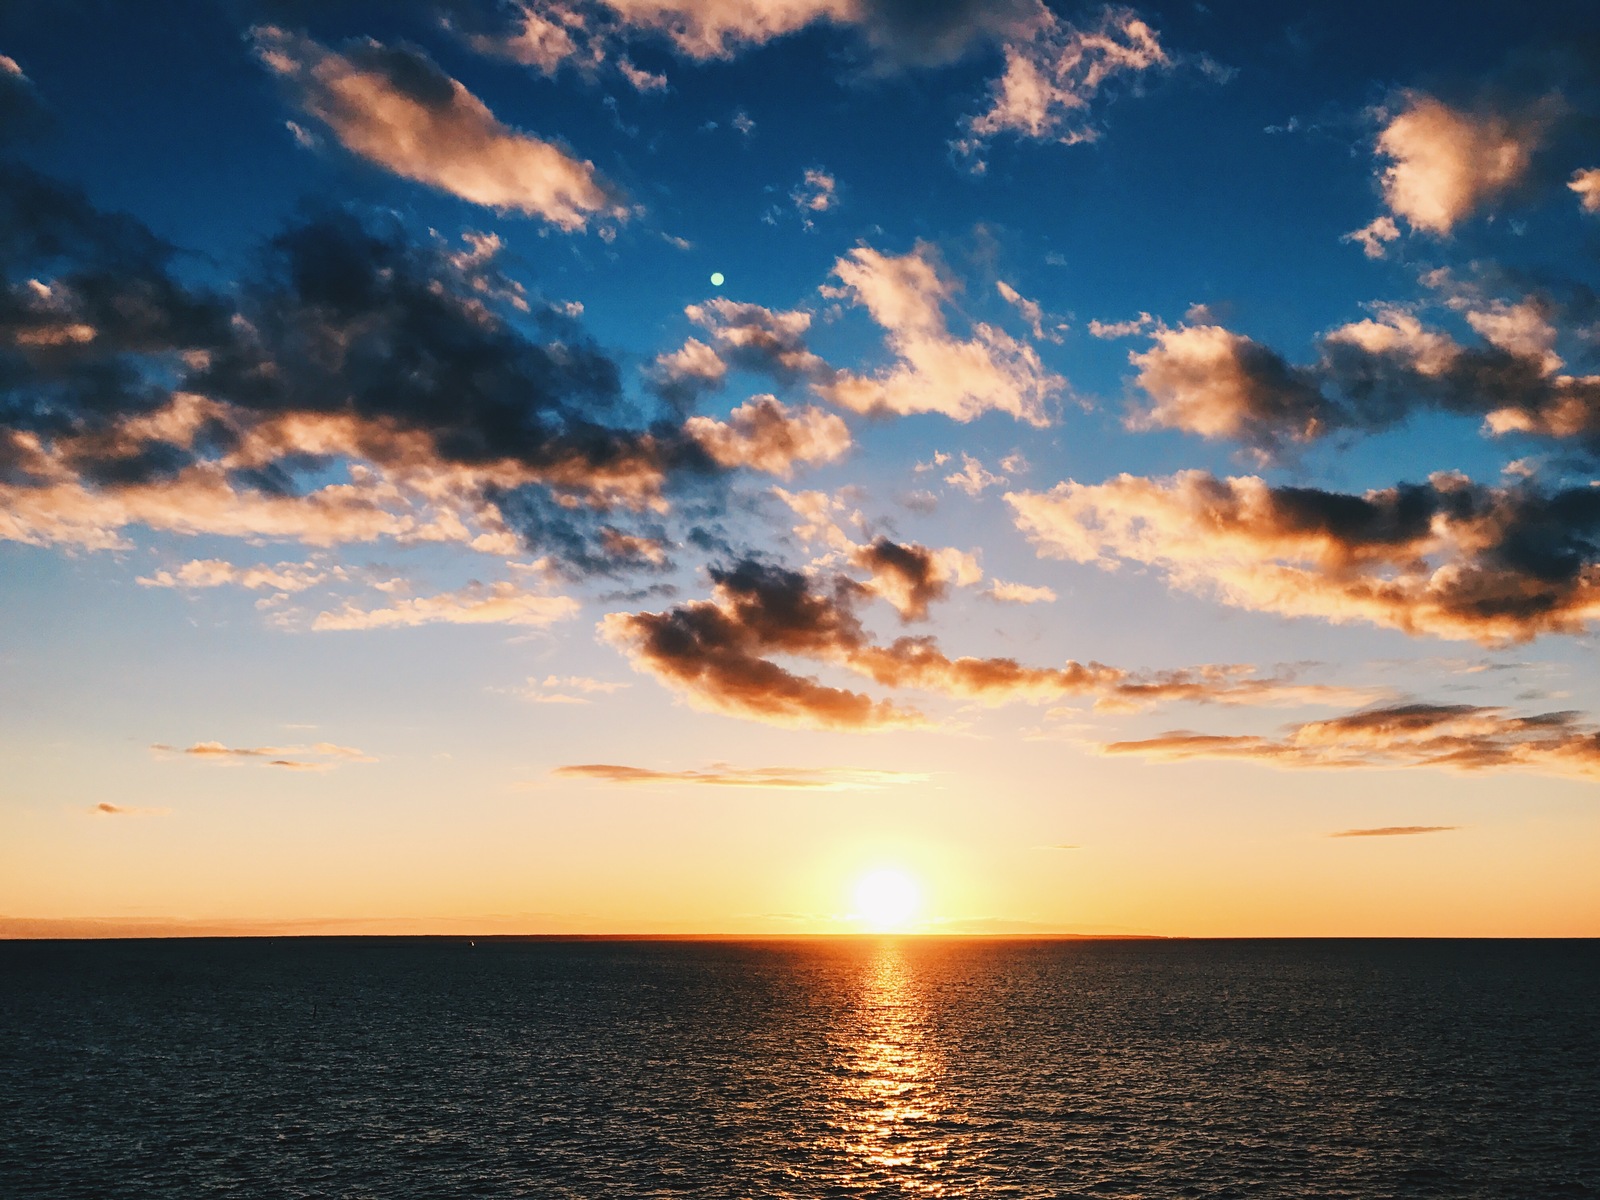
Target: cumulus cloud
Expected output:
[1370,375]
[1447,558]
[910,577]
[361,386]
[1030,310]
[1019,593]
[1445,162]
[394,107]
[764,434]
[1460,737]
[503,603]
[818,779]
[937,371]
[1586,184]
[1054,71]
[721,655]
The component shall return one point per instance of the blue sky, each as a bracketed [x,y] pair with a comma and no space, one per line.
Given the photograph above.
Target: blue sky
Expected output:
[1162,432]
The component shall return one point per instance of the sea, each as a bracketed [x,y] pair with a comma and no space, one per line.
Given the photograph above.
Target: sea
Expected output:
[856,1067]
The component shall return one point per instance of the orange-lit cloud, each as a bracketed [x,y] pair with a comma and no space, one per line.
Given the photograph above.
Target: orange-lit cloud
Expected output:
[1446,163]
[829,779]
[104,809]
[721,655]
[394,107]
[764,434]
[1462,737]
[936,371]
[1449,558]
[1055,70]
[1587,184]
[1394,831]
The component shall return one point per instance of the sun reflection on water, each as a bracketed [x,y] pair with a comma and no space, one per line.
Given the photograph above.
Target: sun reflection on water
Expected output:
[890,1119]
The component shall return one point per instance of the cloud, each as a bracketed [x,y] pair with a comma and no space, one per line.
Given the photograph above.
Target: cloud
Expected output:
[1394,831]
[1374,237]
[974,477]
[829,779]
[1019,593]
[817,192]
[1030,310]
[571,689]
[1370,375]
[502,603]
[752,338]
[936,372]
[104,809]
[1055,71]
[1587,184]
[214,572]
[763,434]
[324,756]
[721,653]
[1445,163]
[1121,329]
[1448,558]
[362,386]
[1219,384]
[1461,737]
[394,107]
[21,109]
[910,577]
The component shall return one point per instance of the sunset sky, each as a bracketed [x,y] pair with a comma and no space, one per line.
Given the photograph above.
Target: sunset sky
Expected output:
[651,465]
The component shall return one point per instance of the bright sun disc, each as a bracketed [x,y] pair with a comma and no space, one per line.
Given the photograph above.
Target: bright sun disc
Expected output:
[887,900]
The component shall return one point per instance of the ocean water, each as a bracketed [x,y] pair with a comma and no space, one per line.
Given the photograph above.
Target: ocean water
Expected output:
[853,1068]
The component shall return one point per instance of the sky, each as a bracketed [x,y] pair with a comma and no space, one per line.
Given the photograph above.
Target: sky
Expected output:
[773,467]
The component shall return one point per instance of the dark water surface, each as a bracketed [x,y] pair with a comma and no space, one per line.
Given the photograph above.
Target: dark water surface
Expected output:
[417,1068]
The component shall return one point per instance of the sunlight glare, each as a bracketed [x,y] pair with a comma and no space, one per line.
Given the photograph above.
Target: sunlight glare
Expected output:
[887,900]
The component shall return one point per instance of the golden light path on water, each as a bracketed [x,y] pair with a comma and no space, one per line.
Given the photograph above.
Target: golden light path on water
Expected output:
[889,1120]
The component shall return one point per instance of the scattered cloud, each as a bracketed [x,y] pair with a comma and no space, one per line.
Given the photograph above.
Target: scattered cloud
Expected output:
[721,655]
[1054,71]
[1448,558]
[937,372]
[394,107]
[1460,737]
[1031,312]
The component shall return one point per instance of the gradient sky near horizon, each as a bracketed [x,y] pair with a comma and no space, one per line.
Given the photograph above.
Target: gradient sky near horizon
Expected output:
[1136,470]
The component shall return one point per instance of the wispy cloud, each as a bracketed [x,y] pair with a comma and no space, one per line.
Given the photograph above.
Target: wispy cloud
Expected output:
[831,779]
[1394,831]
[317,756]
[1460,737]
[502,603]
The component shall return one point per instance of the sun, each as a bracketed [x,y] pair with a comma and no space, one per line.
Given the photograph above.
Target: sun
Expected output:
[887,900]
